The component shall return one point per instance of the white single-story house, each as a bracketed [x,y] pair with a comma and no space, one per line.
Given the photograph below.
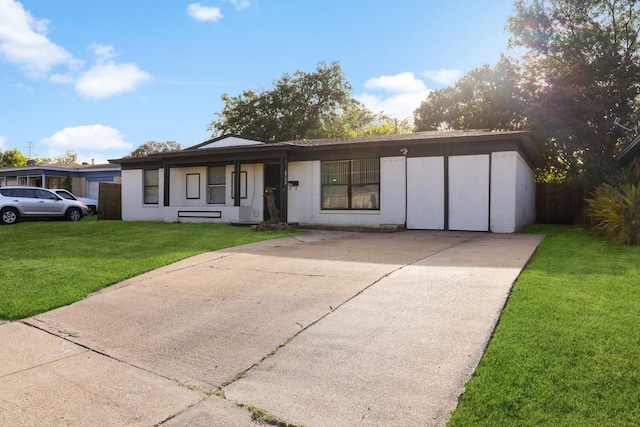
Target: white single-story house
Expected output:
[443,180]
[83,180]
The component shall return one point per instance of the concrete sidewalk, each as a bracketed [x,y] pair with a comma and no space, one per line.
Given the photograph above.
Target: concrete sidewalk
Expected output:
[321,329]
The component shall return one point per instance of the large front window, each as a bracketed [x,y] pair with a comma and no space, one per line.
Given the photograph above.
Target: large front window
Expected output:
[151,186]
[351,184]
[216,185]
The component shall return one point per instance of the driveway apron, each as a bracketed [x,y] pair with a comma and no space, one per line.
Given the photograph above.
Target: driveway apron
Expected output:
[320,329]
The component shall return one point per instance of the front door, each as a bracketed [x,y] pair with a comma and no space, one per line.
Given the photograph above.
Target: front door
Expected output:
[272,180]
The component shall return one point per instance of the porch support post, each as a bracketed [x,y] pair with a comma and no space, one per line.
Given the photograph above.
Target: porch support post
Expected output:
[236,183]
[284,183]
[167,180]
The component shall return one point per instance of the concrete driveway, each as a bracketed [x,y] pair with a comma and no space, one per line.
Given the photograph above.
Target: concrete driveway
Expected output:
[322,329]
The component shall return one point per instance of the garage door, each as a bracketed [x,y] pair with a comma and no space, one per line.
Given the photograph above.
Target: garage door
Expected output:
[459,202]
[469,192]
[425,193]
[94,190]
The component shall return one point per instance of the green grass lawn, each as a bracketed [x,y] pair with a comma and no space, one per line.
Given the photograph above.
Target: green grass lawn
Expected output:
[48,264]
[566,351]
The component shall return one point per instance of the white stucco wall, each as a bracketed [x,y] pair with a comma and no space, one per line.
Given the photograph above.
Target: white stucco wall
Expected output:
[250,209]
[133,207]
[525,196]
[304,201]
[512,193]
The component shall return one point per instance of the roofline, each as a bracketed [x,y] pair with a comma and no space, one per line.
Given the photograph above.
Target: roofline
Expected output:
[378,143]
[59,168]
[628,149]
[226,135]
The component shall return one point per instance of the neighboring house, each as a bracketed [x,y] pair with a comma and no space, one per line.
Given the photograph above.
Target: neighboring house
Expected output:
[84,179]
[452,180]
[630,156]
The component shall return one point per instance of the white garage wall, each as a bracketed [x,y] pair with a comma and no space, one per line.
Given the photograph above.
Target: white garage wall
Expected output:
[469,192]
[512,193]
[525,195]
[503,192]
[425,193]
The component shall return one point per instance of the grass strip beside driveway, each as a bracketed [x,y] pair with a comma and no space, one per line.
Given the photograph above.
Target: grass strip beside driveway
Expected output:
[49,264]
[567,349]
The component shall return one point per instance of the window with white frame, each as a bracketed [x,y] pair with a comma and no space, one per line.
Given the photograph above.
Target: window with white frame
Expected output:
[351,184]
[151,187]
[216,184]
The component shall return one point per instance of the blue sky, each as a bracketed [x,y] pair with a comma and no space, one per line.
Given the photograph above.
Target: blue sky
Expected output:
[102,77]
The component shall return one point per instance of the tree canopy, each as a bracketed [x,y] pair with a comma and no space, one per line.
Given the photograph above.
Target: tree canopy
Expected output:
[485,98]
[12,158]
[583,70]
[580,70]
[152,147]
[307,105]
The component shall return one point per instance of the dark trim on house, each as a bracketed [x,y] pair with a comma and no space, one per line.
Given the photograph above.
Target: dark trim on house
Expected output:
[446,193]
[167,183]
[236,182]
[284,183]
[200,214]
[420,144]
[630,156]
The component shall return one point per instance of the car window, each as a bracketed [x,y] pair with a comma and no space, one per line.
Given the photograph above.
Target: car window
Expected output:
[25,192]
[65,195]
[44,194]
[7,192]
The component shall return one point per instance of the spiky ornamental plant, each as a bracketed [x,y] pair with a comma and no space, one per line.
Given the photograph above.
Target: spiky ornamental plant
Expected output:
[614,209]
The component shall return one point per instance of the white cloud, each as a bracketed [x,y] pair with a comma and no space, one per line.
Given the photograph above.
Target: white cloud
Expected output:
[399,95]
[204,13]
[23,42]
[443,76]
[105,80]
[97,142]
[241,4]
[103,52]
[400,83]
[88,137]
[3,142]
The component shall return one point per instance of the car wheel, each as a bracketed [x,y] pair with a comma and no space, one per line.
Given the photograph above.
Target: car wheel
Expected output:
[92,210]
[74,214]
[9,216]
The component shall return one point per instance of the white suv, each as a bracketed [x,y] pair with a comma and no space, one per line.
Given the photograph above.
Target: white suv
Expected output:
[17,202]
[92,204]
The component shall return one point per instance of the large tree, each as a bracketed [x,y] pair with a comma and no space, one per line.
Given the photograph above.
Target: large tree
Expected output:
[582,64]
[12,158]
[152,147]
[485,98]
[310,105]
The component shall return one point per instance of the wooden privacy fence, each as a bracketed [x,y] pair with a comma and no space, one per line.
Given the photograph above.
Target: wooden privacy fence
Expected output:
[110,201]
[561,203]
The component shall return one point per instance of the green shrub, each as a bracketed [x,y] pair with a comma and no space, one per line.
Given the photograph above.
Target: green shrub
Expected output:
[614,210]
